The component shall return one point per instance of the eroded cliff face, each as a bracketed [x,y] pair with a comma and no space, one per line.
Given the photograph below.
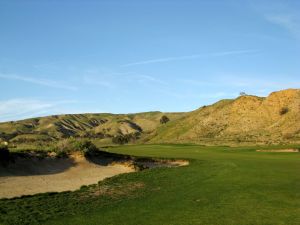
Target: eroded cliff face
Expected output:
[247,119]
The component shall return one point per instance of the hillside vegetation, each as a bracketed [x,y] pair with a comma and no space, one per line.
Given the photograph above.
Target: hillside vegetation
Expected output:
[245,120]
[103,127]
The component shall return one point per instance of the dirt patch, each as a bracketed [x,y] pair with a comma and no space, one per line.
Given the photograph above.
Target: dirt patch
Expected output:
[116,190]
[278,150]
[150,164]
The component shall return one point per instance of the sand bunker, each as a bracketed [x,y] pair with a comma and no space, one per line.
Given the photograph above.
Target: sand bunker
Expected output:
[278,150]
[31,175]
[27,177]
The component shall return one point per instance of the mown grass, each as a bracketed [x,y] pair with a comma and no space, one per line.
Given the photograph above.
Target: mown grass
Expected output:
[222,185]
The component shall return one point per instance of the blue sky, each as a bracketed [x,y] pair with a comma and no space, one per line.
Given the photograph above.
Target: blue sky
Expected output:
[124,56]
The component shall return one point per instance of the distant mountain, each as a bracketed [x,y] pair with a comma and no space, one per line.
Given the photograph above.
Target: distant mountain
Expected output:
[245,120]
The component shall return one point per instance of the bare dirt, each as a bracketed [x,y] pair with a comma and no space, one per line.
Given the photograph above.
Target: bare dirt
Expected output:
[278,150]
[163,163]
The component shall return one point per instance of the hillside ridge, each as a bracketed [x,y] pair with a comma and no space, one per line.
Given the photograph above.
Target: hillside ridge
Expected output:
[246,119]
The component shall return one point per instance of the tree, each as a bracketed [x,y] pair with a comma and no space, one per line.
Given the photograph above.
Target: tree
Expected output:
[242,93]
[164,119]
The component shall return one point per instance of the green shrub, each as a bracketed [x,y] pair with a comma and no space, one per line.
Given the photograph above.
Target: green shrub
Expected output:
[66,146]
[61,154]
[122,139]
[84,146]
[83,187]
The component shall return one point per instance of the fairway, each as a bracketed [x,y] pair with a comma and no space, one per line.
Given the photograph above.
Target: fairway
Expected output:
[221,185]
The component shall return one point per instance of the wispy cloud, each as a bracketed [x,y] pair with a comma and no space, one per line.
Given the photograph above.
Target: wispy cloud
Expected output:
[243,81]
[98,81]
[256,82]
[113,79]
[281,13]
[287,21]
[186,57]
[188,95]
[38,81]
[148,79]
[21,108]
[14,109]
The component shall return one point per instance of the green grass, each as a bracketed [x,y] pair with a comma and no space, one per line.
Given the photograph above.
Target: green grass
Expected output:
[221,185]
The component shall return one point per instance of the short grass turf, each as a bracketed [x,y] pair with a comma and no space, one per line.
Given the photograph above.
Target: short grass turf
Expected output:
[221,185]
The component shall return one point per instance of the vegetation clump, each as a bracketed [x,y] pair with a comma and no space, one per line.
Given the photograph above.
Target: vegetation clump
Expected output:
[122,139]
[164,119]
[66,146]
[85,146]
[283,110]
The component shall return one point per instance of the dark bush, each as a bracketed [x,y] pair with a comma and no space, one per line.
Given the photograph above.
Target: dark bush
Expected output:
[85,146]
[61,154]
[4,155]
[83,187]
[164,119]
[122,139]
[283,110]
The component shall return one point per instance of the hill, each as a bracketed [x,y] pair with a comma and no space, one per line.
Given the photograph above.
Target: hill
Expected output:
[102,126]
[245,120]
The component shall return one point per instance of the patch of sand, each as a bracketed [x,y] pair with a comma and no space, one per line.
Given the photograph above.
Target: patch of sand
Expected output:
[163,163]
[44,176]
[278,150]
